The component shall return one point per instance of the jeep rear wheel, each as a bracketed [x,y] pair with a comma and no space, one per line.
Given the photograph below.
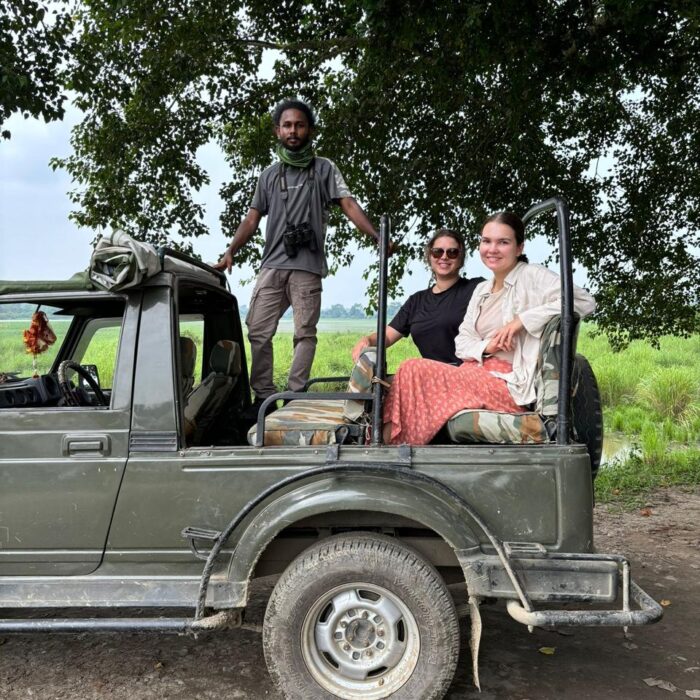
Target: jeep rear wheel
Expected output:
[361,616]
[587,410]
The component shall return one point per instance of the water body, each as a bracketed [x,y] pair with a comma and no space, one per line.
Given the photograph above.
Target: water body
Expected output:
[616,446]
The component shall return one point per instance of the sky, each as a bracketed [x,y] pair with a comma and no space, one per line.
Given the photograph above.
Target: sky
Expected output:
[38,240]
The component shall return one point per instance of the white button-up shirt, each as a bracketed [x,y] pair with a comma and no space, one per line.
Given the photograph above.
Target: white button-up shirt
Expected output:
[533,293]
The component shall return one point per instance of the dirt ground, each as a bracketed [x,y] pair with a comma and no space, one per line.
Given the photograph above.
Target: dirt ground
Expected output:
[662,540]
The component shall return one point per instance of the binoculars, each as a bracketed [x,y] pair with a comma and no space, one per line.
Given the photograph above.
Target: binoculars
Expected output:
[299,236]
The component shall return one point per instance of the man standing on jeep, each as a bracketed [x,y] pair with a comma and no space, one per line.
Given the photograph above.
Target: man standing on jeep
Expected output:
[295,194]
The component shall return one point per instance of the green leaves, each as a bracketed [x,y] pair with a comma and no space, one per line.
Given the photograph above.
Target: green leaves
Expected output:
[436,112]
[34,43]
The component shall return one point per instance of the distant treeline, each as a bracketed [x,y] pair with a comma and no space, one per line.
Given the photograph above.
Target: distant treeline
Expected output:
[356,311]
[12,311]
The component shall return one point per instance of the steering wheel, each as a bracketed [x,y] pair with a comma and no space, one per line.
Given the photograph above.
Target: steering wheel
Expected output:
[71,395]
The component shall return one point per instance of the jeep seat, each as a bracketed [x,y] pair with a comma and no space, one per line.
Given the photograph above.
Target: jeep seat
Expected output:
[205,402]
[188,358]
[321,421]
[318,421]
[306,422]
[530,427]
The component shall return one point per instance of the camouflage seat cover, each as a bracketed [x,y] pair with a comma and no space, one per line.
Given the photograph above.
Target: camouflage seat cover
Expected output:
[360,383]
[306,422]
[321,421]
[495,427]
[530,427]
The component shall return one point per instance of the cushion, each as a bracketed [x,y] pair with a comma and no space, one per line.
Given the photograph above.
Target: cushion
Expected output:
[360,383]
[548,369]
[471,426]
[305,422]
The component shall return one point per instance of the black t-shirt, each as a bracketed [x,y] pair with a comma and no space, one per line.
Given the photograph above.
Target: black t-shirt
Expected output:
[434,319]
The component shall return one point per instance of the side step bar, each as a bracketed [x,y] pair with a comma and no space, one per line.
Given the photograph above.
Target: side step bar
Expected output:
[226,619]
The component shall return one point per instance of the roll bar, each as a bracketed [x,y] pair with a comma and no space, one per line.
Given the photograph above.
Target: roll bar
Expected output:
[568,323]
[380,371]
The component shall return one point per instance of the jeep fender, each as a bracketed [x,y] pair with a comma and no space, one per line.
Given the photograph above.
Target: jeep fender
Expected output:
[397,491]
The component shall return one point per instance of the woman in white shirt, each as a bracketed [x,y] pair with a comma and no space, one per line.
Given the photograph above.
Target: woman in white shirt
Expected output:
[498,342]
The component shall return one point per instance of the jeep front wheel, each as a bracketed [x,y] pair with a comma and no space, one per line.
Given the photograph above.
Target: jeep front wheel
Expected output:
[361,616]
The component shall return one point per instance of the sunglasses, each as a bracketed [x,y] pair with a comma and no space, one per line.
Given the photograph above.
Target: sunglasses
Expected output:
[437,253]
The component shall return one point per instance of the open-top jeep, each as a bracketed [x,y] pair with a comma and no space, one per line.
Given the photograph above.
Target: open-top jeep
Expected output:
[141,485]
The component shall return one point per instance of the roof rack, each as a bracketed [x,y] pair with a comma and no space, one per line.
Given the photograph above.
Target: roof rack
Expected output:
[164,252]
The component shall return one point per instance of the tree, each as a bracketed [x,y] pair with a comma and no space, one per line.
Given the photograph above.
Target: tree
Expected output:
[335,311]
[437,111]
[357,311]
[34,41]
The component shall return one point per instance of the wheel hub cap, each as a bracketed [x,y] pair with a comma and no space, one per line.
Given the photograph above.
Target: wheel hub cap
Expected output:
[360,641]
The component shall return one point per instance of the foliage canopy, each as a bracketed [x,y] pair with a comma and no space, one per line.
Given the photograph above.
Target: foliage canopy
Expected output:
[437,112]
[34,41]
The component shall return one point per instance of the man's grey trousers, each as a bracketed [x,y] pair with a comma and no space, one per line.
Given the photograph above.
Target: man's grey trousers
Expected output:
[275,290]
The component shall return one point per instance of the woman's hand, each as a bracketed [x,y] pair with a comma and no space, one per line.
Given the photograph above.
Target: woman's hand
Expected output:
[391,336]
[361,345]
[504,338]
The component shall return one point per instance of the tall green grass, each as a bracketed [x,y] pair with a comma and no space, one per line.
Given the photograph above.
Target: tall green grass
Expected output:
[630,480]
[651,395]
[647,390]
[671,392]
[102,352]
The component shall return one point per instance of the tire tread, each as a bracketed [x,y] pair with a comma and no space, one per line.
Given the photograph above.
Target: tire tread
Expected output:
[334,551]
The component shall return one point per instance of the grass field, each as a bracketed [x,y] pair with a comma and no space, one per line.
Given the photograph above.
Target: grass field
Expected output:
[651,397]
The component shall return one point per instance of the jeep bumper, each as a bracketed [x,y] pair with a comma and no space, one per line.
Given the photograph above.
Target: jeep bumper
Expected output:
[550,578]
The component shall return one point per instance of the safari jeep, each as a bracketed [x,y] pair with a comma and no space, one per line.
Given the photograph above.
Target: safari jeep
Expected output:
[131,479]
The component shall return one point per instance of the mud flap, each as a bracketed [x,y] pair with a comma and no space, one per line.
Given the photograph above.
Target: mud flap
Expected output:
[475,639]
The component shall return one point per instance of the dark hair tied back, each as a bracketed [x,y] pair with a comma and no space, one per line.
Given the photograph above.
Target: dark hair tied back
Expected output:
[513,221]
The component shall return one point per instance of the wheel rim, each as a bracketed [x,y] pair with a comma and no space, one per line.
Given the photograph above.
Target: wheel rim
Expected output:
[360,641]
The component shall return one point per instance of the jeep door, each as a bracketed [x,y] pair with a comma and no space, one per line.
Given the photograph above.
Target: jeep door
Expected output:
[61,465]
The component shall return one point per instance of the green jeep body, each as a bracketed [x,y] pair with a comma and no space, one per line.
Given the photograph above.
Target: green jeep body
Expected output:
[110,507]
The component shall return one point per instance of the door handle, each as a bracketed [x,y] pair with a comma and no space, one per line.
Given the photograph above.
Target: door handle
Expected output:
[86,445]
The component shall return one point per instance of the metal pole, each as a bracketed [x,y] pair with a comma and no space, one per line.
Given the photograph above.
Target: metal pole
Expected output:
[567,310]
[380,371]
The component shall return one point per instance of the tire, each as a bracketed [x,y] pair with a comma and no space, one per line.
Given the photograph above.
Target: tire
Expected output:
[587,411]
[361,616]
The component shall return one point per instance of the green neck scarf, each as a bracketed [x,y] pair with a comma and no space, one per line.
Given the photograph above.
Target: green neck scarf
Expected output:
[296,159]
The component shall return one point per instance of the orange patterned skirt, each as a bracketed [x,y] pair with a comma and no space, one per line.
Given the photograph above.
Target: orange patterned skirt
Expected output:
[425,394]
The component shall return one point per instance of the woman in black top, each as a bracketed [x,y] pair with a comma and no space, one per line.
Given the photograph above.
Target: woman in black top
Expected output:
[432,316]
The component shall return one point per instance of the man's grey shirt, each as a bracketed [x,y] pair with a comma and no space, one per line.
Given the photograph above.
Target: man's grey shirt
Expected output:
[307,201]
